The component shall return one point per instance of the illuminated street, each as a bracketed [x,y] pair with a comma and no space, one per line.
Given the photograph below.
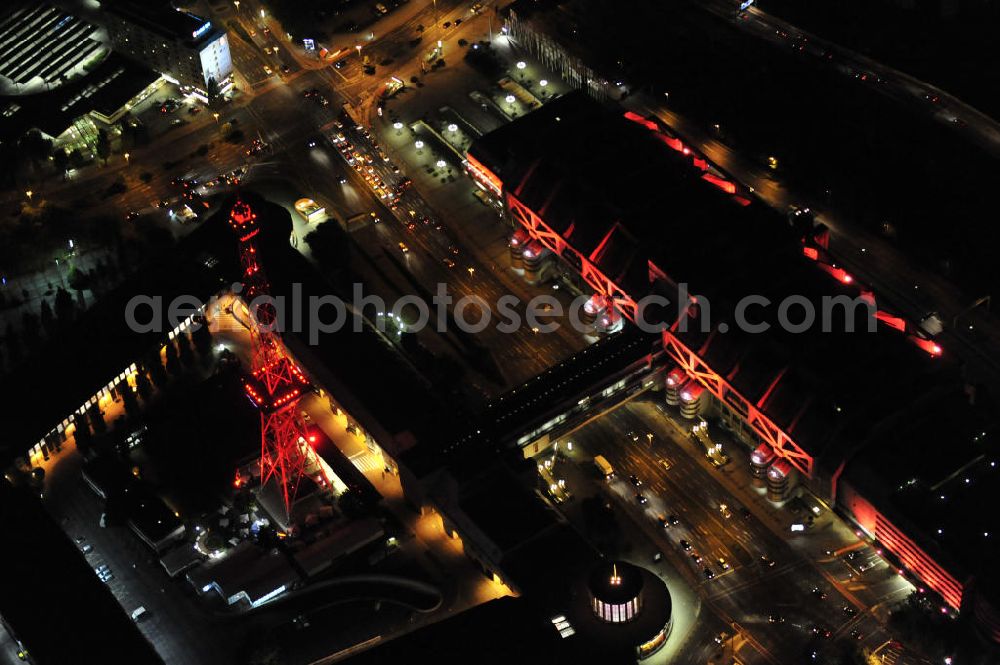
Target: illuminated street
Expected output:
[450,331]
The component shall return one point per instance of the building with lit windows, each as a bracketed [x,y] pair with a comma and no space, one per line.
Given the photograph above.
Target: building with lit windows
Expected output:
[621,593]
[616,595]
[858,406]
[181,46]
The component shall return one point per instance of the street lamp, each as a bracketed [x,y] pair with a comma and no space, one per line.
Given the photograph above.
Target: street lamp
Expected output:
[441,163]
[509,99]
[419,145]
[28,193]
[543,83]
[262,12]
[358,46]
[452,127]
[126,156]
[216,116]
[521,64]
[237,3]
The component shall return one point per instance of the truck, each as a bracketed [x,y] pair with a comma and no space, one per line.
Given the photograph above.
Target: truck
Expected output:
[604,467]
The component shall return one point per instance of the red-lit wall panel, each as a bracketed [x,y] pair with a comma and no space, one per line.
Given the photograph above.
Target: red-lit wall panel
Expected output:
[914,559]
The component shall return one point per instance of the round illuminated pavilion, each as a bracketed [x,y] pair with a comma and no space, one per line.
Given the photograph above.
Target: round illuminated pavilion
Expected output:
[616,591]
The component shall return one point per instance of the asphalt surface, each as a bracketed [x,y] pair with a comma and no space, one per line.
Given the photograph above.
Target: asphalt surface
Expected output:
[748,592]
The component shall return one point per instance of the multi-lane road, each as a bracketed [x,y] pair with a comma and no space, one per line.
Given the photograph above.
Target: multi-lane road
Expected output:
[780,598]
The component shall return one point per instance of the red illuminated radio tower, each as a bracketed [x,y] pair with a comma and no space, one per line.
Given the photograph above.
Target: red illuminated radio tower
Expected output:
[275,385]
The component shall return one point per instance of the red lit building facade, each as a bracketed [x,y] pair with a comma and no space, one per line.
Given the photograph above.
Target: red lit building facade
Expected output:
[794,431]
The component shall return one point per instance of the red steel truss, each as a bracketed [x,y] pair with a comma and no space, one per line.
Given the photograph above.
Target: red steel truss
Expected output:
[693,365]
[275,384]
[773,435]
[597,280]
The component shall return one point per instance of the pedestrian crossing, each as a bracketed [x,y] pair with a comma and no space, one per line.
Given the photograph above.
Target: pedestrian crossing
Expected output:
[366,461]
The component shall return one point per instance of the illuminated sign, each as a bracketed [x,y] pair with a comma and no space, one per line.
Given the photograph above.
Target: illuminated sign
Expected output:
[202,30]
[745,4]
[309,44]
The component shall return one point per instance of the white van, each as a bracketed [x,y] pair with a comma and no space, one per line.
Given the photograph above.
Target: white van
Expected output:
[139,613]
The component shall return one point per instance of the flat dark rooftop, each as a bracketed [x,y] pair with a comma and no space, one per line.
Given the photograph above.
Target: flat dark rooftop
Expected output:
[616,191]
[52,600]
[936,470]
[506,512]
[160,17]
[149,513]
[502,631]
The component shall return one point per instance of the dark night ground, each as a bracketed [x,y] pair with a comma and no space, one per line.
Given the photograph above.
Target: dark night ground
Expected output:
[882,162]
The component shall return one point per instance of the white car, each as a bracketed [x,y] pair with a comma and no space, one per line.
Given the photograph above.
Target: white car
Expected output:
[139,613]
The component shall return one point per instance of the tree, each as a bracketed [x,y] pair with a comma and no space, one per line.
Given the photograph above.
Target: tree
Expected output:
[157,374]
[201,337]
[100,270]
[173,359]
[129,400]
[331,247]
[35,147]
[60,158]
[38,477]
[103,145]
[65,309]
[31,329]
[143,386]
[79,279]
[212,89]
[47,317]
[122,258]
[13,343]
[141,135]
[54,441]
[184,350]
[351,503]
[83,436]
[97,419]
[76,158]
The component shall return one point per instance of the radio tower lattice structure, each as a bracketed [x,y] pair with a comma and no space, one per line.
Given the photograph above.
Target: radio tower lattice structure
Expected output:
[275,384]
